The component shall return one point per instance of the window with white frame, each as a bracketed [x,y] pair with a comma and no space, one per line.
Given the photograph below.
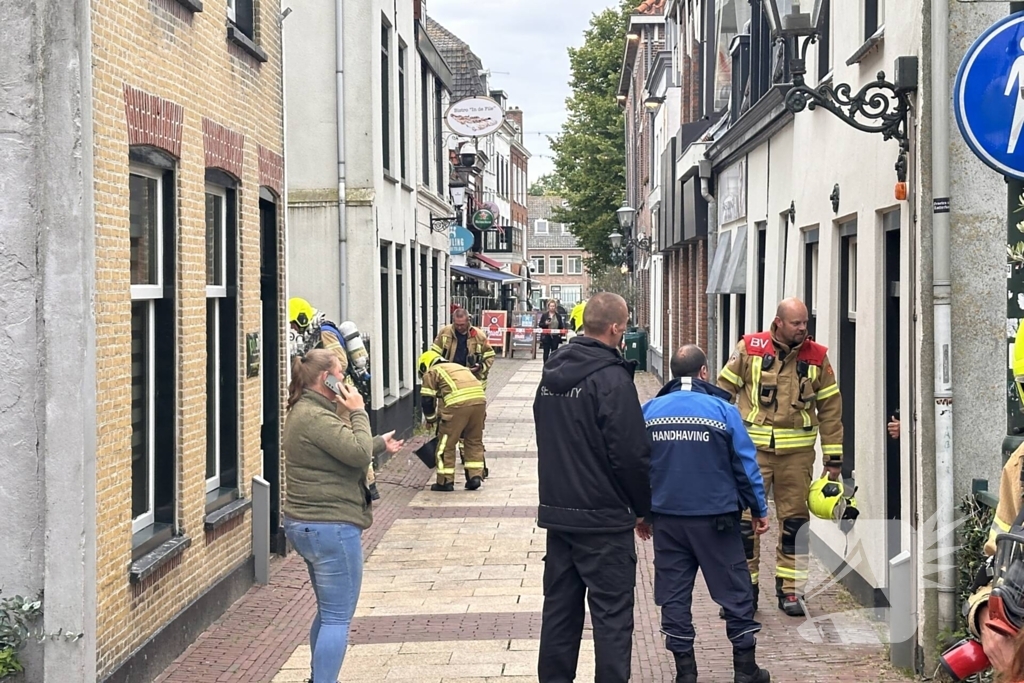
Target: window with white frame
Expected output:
[216,291]
[852,285]
[556,265]
[874,17]
[575,265]
[153,340]
[537,265]
[540,227]
[571,295]
[657,307]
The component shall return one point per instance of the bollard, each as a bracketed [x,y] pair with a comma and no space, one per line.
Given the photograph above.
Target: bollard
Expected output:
[261,528]
[902,624]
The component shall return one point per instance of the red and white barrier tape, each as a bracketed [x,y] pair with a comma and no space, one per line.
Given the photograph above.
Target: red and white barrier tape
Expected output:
[524,330]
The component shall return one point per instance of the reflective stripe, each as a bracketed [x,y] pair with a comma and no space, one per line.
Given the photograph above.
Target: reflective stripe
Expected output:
[427,391]
[787,573]
[753,577]
[462,395]
[440,453]
[473,465]
[447,379]
[488,354]
[827,392]
[832,449]
[812,375]
[755,387]
[999,525]
[761,436]
[437,349]
[732,377]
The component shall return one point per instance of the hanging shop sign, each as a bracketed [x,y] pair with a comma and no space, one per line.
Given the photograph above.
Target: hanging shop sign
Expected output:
[474,117]
[988,99]
[460,240]
[483,219]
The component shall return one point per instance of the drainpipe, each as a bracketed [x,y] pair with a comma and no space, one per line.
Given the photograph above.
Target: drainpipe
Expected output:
[339,29]
[705,191]
[941,300]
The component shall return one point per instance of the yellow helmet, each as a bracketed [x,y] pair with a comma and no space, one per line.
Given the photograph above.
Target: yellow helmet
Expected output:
[1018,367]
[427,359]
[300,312]
[827,500]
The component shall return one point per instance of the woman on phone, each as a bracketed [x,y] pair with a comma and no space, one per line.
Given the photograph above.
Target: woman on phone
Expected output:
[551,320]
[328,503]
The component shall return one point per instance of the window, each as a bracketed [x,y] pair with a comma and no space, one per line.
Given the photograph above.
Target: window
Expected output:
[564,229]
[385,95]
[153,340]
[556,293]
[851,249]
[537,265]
[400,300]
[540,227]
[825,44]
[384,343]
[575,265]
[556,263]
[231,9]
[401,108]
[241,16]
[425,122]
[221,343]
[731,17]
[440,153]
[571,295]
[874,17]
[657,308]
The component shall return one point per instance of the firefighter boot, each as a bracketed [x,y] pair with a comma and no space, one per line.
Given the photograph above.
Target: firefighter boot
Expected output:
[450,486]
[746,669]
[788,602]
[686,667]
[474,483]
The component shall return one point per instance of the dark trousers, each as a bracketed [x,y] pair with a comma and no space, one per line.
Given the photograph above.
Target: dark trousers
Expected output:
[715,546]
[602,568]
[549,345]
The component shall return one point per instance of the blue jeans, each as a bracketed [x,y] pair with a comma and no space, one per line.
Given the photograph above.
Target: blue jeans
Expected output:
[334,557]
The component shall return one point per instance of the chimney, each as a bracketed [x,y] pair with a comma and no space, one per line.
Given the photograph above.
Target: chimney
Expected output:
[515,115]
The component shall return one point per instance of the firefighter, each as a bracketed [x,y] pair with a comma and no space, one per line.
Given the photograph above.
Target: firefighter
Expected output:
[576,317]
[786,391]
[450,393]
[466,345]
[309,329]
[1007,511]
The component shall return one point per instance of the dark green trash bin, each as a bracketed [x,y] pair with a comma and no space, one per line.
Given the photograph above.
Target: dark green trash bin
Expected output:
[636,348]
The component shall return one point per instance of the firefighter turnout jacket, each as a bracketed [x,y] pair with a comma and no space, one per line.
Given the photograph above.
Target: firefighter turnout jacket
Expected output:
[478,350]
[447,386]
[786,396]
[1008,509]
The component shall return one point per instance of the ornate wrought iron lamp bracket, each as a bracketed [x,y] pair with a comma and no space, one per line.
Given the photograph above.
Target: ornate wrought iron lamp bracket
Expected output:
[442,223]
[878,107]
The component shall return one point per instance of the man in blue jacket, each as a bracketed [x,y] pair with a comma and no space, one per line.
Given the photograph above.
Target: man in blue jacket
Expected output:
[704,474]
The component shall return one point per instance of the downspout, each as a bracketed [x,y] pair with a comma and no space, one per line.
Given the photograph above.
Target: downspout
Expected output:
[705,191]
[941,301]
[339,29]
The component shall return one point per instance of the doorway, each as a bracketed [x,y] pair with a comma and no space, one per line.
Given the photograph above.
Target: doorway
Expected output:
[893,483]
[811,280]
[270,332]
[847,339]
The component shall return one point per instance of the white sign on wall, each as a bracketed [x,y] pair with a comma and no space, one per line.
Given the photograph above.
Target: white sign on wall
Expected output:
[474,116]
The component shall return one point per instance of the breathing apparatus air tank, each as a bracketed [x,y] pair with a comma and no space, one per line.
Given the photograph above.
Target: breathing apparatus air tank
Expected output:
[359,360]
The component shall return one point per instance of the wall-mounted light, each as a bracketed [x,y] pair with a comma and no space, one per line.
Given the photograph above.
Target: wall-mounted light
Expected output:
[458,190]
[653,102]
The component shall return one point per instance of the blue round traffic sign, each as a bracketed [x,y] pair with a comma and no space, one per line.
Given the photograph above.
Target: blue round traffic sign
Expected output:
[988,98]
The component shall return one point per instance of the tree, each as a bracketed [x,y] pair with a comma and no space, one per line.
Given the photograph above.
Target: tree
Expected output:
[590,151]
[548,184]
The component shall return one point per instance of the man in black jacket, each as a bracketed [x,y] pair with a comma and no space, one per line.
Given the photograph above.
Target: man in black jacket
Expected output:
[593,464]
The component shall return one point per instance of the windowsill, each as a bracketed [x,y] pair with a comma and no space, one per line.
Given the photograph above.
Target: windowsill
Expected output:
[403,392]
[149,563]
[407,187]
[852,316]
[243,41]
[870,44]
[390,400]
[390,178]
[218,498]
[191,5]
[226,513]
[146,540]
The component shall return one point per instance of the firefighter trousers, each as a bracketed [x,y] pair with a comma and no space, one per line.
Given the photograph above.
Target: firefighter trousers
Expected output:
[465,423]
[789,476]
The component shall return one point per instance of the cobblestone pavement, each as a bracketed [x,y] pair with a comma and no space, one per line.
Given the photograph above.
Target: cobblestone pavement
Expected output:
[452,589]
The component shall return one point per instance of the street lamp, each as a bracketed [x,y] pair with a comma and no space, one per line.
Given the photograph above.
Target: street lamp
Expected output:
[625,215]
[878,107]
[653,102]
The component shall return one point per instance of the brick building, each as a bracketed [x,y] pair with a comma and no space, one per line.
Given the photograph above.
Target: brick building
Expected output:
[138,390]
[556,260]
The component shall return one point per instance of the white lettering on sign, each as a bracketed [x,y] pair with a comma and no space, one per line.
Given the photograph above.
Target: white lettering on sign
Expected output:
[572,393]
[681,435]
[758,342]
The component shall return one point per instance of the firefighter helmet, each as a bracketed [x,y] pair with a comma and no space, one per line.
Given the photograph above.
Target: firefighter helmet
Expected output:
[1018,370]
[300,312]
[827,499]
[427,359]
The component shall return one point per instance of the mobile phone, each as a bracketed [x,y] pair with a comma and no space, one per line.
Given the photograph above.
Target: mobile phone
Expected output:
[333,384]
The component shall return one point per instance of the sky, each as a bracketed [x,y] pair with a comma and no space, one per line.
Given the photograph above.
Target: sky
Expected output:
[524,45]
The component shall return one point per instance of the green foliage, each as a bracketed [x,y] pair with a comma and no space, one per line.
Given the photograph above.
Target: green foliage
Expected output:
[590,157]
[612,279]
[18,618]
[549,185]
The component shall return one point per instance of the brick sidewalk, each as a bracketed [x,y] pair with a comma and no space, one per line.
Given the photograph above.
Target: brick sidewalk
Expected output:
[451,589]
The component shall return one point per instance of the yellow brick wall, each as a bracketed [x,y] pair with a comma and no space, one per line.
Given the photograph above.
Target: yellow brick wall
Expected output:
[161,48]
